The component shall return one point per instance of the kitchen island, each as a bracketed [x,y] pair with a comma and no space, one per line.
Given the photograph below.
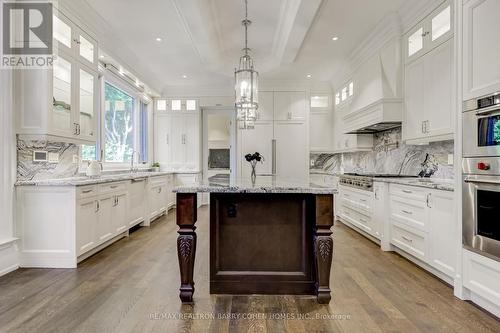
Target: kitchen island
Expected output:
[266,237]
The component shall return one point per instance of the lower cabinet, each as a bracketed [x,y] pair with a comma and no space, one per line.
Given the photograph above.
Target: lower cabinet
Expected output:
[157,197]
[422,225]
[137,201]
[86,217]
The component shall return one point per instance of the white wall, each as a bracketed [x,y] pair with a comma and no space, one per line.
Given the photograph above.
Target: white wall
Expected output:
[8,249]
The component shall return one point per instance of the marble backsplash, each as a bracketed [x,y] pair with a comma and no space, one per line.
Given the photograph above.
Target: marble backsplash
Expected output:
[389,155]
[29,170]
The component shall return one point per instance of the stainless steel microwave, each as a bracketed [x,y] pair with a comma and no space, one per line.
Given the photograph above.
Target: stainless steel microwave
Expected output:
[481,127]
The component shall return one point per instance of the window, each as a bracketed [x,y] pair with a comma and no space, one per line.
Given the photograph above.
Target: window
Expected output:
[191,105]
[322,101]
[88,153]
[161,105]
[118,125]
[351,89]
[176,105]
[344,94]
[337,98]
[143,135]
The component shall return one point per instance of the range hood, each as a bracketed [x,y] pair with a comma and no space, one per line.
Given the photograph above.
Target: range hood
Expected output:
[377,104]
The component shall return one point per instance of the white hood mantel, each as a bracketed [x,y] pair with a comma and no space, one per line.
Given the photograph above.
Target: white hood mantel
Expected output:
[377,103]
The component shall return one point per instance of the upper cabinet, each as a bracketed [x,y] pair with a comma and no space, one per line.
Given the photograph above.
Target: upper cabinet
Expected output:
[61,101]
[481,50]
[430,32]
[177,105]
[321,123]
[290,105]
[428,88]
[266,106]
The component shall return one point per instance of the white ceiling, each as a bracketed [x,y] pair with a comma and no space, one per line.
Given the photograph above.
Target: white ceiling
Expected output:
[203,38]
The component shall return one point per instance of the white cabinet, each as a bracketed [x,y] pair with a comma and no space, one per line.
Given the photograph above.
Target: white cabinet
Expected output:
[442,232]
[290,105]
[176,104]
[260,139]
[321,123]
[177,141]
[356,208]
[435,29]
[136,201]
[422,224]
[86,222]
[61,101]
[266,106]
[291,148]
[429,110]
[170,194]
[157,197]
[481,51]
[120,220]
[282,140]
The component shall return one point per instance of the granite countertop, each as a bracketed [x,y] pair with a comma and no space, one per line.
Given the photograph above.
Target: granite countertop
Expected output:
[263,184]
[83,180]
[433,183]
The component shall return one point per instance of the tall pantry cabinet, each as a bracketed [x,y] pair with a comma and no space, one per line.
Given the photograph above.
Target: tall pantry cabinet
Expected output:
[280,136]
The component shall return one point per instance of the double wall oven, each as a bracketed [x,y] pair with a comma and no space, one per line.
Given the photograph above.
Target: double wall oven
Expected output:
[481,175]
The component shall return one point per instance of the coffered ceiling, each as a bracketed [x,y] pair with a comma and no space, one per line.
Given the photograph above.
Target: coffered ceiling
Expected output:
[201,40]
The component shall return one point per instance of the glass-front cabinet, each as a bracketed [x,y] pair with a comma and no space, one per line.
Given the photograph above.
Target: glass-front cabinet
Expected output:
[61,101]
[430,32]
[176,104]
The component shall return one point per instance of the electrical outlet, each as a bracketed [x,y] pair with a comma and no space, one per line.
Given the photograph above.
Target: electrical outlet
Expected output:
[312,162]
[53,157]
[76,159]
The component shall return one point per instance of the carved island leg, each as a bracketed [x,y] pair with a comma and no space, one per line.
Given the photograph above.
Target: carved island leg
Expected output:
[323,246]
[186,243]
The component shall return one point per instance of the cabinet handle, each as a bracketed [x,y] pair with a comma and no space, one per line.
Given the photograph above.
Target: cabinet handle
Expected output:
[113,186]
[97,206]
[407,191]
[428,200]
[362,200]
[159,190]
[75,132]
[407,212]
[86,191]
[425,34]
[423,127]
[168,139]
[407,239]
[363,220]
[427,125]
[376,194]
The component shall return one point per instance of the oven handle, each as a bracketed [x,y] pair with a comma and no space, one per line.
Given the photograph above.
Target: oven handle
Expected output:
[488,110]
[468,180]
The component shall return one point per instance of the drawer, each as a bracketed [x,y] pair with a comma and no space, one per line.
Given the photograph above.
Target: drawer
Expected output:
[410,192]
[86,191]
[157,181]
[359,220]
[358,201]
[410,212]
[112,187]
[411,242]
[187,179]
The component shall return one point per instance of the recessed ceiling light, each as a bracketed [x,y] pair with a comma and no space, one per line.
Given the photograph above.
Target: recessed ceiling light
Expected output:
[184,76]
[309,76]
[335,38]
[158,39]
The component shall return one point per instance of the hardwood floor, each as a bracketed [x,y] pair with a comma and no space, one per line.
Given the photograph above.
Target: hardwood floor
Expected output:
[132,286]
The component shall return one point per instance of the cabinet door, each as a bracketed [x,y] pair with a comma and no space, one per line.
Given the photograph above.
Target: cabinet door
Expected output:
[443,232]
[154,201]
[86,48]
[440,25]
[292,153]
[414,116]
[320,131]
[87,87]
[266,105]
[120,223]
[62,30]
[86,222]
[481,28]
[192,141]
[289,106]
[163,140]
[162,198]
[104,229]
[260,140]
[177,137]
[415,42]
[439,90]
[62,120]
[136,202]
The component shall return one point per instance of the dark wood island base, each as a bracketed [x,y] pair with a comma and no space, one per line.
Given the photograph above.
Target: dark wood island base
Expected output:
[260,243]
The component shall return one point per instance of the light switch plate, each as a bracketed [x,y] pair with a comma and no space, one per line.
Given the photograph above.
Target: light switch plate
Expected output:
[450,159]
[53,157]
[40,156]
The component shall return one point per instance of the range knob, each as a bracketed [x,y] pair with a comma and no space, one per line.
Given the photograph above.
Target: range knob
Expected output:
[483,166]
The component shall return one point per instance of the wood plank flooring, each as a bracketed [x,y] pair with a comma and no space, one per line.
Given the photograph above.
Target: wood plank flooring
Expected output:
[132,286]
